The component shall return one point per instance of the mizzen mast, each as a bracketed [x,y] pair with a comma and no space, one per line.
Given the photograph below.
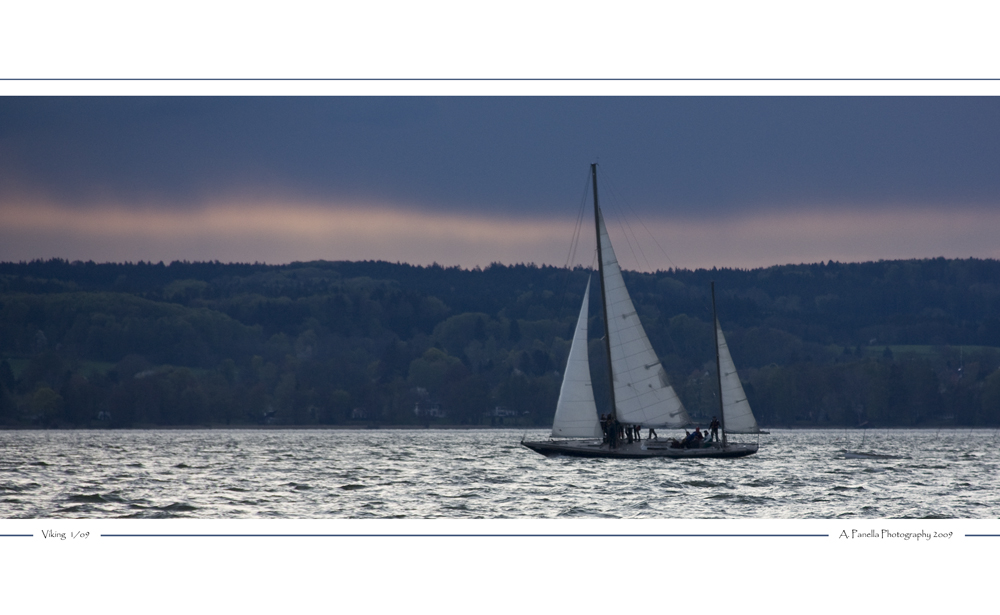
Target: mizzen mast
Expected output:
[718,368]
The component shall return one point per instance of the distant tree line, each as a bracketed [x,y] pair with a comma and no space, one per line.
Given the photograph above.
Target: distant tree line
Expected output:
[888,343]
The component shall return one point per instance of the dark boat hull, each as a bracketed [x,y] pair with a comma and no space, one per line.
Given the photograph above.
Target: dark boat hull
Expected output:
[637,450]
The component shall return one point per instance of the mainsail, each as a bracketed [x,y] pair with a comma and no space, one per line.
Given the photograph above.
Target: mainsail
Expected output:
[576,411]
[643,396]
[736,414]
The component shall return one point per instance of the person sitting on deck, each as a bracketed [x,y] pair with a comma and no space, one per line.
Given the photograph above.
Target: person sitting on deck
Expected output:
[688,438]
[696,438]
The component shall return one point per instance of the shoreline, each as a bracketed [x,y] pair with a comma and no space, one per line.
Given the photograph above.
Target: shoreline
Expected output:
[435,427]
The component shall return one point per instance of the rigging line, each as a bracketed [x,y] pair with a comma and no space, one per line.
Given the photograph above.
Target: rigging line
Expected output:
[619,200]
[565,291]
[646,228]
[574,244]
[638,244]
[615,211]
[579,223]
[653,237]
[630,237]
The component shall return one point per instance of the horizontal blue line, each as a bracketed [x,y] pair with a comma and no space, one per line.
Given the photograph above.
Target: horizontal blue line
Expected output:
[17,535]
[465,535]
[982,535]
[500,79]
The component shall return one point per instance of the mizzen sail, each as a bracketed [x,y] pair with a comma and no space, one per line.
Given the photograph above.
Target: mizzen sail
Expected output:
[737,416]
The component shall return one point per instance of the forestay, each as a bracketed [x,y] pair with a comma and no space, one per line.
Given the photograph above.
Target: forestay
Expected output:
[643,396]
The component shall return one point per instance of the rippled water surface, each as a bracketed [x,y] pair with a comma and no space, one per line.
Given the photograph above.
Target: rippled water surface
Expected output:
[314,474]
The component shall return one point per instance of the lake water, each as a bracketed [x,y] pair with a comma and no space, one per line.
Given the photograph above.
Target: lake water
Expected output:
[454,474]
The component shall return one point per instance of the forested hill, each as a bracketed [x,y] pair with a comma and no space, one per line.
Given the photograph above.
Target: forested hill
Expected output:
[904,343]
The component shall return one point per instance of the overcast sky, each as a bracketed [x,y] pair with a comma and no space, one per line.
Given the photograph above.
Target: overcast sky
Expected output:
[700,181]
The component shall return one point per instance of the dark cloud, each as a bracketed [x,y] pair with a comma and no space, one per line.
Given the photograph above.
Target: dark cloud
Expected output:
[513,154]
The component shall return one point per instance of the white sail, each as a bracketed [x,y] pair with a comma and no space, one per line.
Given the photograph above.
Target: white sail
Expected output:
[576,412]
[643,396]
[736,413]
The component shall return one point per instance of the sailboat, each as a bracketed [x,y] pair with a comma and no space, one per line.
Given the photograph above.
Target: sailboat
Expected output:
[641,395]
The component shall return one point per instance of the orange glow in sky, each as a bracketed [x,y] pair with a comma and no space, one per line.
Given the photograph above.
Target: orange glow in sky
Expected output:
[281,232]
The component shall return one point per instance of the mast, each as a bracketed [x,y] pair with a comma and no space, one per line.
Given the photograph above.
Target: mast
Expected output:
[604,298]
[718,368]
